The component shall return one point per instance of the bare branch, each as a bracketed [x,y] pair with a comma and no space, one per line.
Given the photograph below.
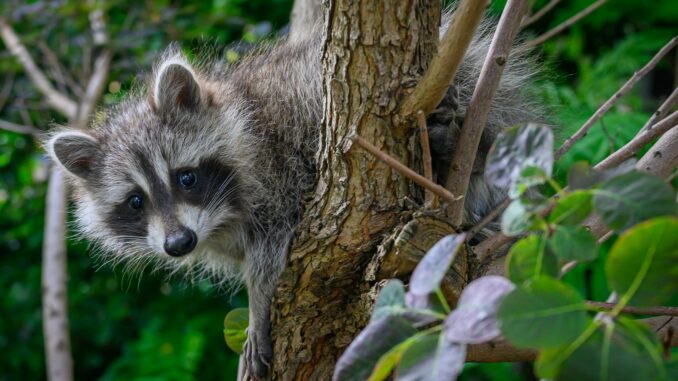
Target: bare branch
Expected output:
[540,13]
[638,142]
[54,282]
[489,218]
[566,24]
[610,102]
[402,169]
[459,174]
[95,87]
[61,102]
[426,158]
[662,111]
[662,158]
[6,90]
[432,87]
[19,128]
[658,310]
[498,351]
[64,76]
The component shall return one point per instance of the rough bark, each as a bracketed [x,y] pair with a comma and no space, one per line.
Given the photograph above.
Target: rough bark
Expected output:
[373,52]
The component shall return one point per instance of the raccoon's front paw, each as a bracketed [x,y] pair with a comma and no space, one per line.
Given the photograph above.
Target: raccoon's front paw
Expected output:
[258,353]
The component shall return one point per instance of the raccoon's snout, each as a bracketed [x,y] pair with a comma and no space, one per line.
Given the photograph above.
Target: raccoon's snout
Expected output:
[180,242]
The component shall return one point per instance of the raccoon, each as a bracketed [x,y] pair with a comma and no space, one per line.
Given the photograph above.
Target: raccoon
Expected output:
[206,170]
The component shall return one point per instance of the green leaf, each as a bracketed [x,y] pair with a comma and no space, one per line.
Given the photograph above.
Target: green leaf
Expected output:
[432,358]
[530,258]
[361,356]
[626,200]
[582,176]
[625,351]
[430,271]
[391,299]
[643,262]
[474,320]
[235,329]
[516,150]
[572,209]
[543,313]
[517,219]
[571,243]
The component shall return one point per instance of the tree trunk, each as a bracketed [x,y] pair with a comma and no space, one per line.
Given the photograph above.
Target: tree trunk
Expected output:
[360,216]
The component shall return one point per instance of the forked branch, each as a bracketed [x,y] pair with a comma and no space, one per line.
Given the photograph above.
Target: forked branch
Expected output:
[459,174]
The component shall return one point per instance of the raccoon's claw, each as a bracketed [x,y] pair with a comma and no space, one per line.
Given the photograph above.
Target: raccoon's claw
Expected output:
[258,354]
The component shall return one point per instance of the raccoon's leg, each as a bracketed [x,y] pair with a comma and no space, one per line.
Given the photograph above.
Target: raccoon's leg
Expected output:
[263,267]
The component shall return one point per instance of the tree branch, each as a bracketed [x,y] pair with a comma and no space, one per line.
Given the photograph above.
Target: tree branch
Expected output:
[19,128]
[402,169]
[430,198]
[432,87]
[459,174]
[661,310]
[638,142]
[539,14]
[610,102]
[662,111]
[60,102]
[566,24]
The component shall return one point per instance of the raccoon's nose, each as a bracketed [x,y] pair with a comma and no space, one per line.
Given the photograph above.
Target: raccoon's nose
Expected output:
[180,242]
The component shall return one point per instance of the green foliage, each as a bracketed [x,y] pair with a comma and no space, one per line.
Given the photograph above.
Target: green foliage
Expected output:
[235,329]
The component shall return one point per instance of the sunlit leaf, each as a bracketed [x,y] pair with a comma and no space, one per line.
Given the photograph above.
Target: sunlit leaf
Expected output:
[474,320]
[235,329]
[542,313]
[644,262]
[516,150]
[391,299]
[431,270]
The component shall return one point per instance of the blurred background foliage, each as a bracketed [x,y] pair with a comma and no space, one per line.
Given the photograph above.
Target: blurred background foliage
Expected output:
[153,328]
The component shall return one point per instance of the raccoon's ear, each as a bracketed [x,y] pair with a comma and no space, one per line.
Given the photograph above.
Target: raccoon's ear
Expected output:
[176,87]
[77,152]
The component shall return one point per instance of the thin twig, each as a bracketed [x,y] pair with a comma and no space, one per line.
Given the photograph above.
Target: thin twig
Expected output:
[566,24]
[658,310]
[432,87]
[19,128]
[638,142]
[6,90]
[63,75]
[539,14]
[402,169]
[426,158]
[610,102]
[662,111]
[459,174]
[61,102]
[488,218]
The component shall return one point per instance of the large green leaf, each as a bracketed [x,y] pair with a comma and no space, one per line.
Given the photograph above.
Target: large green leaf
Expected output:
[520,156]
[644,262]
[433,358]
[235,329]
[529,258]
[361,356]
[571,243]
[571,209]
[626,351]
[626,200]
[542,313]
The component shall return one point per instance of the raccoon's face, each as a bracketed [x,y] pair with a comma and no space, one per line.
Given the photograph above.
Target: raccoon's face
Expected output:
[160,176]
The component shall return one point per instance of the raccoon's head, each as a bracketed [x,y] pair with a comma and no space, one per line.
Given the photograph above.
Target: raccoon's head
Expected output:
[161,175]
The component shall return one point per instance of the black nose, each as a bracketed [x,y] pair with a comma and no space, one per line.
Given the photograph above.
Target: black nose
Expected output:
[180,242]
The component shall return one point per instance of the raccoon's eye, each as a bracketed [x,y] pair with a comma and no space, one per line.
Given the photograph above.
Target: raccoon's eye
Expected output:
[187,179]
[135,202]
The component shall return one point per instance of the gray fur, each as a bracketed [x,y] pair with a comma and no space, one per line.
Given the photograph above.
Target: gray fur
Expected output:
[255,127]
